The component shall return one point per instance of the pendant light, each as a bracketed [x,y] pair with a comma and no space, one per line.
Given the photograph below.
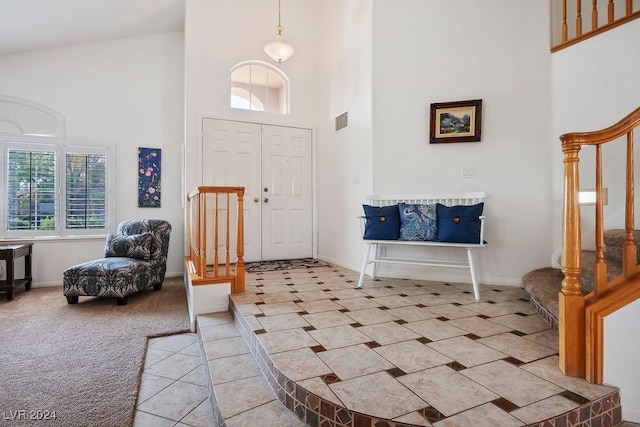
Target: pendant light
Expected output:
[279,50]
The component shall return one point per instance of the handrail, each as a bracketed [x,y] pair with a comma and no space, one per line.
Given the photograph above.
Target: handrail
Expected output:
[580,338]
[212,216]
[572,30]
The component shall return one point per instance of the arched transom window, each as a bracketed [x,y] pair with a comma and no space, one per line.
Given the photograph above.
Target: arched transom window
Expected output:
[259,86]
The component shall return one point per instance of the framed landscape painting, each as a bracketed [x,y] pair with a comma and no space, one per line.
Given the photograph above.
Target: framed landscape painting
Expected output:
[459,121]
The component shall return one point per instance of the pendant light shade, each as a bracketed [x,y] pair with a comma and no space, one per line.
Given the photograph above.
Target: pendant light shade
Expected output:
[278,50]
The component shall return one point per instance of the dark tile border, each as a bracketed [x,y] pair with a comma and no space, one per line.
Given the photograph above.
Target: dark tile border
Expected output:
[316,411]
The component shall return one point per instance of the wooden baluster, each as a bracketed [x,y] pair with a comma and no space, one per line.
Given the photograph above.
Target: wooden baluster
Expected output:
[601,266]
[227,258]
[630,249]
[202,239]
[240,269]
[629,9]
[194,232]
[578,18]
[216,227]
[198,241]
[594,15]
[564,22]
[610,10]
[191,230]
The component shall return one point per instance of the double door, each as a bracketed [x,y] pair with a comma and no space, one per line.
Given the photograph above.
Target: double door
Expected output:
[274,165]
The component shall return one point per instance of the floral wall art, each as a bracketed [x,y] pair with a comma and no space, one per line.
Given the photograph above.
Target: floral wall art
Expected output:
[149,167]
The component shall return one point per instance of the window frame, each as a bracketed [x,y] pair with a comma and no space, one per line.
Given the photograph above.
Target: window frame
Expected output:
[270,69]
[31,146]
[61,149]
[75,149]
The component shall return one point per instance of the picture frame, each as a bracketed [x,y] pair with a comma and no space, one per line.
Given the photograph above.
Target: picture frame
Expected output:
[459,121]
[149,173]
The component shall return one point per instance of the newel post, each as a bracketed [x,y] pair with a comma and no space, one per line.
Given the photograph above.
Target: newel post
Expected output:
[571,302]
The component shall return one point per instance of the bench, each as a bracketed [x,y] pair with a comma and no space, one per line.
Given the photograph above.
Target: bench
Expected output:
[442,220]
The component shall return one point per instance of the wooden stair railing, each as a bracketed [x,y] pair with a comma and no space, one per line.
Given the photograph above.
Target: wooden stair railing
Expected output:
[569,15]
[213,214]
[581,317]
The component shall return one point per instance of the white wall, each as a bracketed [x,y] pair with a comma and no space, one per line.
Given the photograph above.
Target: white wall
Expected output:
[595,84]
[218,35]
[497,51]
[125,93]
[384,62]
[345,169]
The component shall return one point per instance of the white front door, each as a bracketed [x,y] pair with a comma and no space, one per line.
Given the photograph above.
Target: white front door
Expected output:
[287,199]
[273,163]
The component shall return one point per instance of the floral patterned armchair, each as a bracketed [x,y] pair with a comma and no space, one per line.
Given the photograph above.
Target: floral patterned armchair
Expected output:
[135,258]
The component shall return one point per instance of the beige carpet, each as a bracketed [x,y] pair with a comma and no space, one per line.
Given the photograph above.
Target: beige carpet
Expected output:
[82,361]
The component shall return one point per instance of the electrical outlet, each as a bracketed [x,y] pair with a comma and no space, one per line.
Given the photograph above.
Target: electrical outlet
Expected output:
[467,172]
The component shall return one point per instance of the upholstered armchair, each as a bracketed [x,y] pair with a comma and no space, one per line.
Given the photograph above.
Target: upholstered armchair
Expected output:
[135,258]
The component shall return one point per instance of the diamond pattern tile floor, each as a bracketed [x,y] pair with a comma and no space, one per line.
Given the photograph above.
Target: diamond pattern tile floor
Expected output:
[406,351]
[173,389]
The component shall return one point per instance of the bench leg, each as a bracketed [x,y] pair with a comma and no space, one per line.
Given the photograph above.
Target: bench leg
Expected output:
[376,255]
[474,280]
[364,265]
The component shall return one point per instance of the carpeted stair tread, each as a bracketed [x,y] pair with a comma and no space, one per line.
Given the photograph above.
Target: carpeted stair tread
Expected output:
[544,284]
[614,241]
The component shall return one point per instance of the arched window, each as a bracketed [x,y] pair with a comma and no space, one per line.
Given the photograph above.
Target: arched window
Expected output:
[241,98]
[28,118]
[49,188]
[259,86]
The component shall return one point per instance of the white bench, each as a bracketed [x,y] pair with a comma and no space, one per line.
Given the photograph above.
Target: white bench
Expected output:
[465,199]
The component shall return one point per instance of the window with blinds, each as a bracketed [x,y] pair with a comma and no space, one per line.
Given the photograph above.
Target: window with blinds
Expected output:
[86,189]
[52,189]
[31,189]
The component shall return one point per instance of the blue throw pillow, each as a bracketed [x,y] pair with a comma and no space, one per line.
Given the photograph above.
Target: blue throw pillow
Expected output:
[383,222]
[418,222]
[459,224]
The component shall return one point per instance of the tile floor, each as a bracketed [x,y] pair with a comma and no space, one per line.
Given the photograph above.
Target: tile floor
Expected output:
[173,388]
[414,352]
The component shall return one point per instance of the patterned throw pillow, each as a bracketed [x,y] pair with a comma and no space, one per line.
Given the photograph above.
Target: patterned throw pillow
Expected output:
[383,222]
[418,222]
[129,246]
[459,224]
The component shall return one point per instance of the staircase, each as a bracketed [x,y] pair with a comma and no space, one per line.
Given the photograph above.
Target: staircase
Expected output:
[545,284]
[239,393]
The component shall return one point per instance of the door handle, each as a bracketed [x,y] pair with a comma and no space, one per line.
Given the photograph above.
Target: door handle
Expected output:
[266,200]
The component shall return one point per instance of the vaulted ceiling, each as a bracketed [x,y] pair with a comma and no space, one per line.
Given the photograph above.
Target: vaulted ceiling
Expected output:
[41,24]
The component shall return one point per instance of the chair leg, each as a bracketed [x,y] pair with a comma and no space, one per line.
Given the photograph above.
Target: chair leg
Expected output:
[72,299]
[121,301]
[157,287]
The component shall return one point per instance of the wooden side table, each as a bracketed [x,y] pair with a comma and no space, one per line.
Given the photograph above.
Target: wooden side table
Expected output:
[9,253]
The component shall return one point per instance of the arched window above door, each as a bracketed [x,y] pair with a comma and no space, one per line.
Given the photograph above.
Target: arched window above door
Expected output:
[259,86]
